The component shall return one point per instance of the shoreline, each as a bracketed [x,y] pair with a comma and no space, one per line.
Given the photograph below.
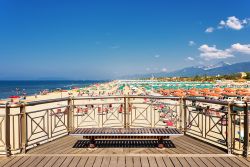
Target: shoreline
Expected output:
[66,87]
[130,87]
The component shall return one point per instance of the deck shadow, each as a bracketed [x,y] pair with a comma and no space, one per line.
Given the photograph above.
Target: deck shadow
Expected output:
[124,144]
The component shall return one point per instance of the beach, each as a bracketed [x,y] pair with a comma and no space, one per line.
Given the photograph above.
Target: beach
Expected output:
[104,108]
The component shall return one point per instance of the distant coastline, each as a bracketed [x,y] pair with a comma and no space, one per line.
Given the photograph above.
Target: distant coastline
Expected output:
[31,87]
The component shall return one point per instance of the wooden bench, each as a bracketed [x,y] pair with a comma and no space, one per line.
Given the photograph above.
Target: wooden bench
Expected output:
[126,133]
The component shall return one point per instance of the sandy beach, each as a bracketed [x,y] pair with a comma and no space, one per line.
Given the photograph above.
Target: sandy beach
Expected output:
[103,112]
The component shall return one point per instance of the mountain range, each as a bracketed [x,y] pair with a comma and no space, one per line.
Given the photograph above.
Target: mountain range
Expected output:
[221,68]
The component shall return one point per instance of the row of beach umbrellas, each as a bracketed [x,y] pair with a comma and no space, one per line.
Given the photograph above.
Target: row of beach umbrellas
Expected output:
[215,92]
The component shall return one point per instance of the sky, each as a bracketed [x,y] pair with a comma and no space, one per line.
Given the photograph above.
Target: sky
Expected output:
[108,39]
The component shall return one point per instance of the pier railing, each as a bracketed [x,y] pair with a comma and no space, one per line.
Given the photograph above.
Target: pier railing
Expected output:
[27,125]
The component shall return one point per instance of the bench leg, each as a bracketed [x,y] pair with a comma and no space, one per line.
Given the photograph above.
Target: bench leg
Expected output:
[160,143]
[92,143]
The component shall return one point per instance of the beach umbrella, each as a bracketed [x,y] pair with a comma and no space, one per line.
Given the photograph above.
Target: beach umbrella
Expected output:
[214,94]
[79,110]
[85,110]
[180,94]
[205,90]
[194,94]
[121,108]
[245,90]
[229,94]
[99,109]
[191,91]
[169,123]
[14,97]
[217,90]
[229,90]
[105,109]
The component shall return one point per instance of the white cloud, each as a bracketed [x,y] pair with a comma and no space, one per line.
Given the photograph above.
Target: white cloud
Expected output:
[156,56]
[222,23]
[190,58]
[164,70]
[148,69]
[209,30]
[245,49]
[191,43]
[245,21]
[233,22]
[209,53]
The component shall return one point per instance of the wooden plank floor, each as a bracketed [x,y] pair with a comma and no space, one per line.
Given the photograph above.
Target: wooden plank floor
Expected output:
[76,145]
[122,161]
[71,151]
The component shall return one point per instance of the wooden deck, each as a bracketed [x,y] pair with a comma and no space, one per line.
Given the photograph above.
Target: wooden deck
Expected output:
[72,151]
[122,161]
[76,145]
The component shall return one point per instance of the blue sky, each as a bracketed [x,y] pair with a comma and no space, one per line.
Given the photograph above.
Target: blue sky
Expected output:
[107,39]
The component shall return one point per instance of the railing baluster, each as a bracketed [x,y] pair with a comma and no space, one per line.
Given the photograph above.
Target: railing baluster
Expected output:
[51,122]
[13,131]
[229,129]
[70,113]
[129,108]
[24,128]
[47,111]
[7,130]
[185,115]
[180,113]
[151,114]
[125,115]
[246,131]
[102,115]
[73,112]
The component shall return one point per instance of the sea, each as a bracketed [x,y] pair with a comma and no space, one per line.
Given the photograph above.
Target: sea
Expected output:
[12,88]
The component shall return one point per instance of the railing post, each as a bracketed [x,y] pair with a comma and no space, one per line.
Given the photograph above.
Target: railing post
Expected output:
[206,110]
[229,129]
[7,130]
[23,128]
[184,115]
[152,115]
[125,113]
[129,110]
[246,131]
[70,114]
[180,113]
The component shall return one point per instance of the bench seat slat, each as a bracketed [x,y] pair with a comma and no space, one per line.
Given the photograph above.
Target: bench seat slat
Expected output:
[150,132]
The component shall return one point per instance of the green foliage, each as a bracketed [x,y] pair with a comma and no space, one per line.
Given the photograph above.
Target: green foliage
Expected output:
[205,78]
[248,76]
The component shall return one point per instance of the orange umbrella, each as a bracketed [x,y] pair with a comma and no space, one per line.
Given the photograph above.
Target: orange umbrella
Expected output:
[217,89]
[205,90]
[191,91]
[228,90]
[194,94]
[243,93]
[179,94]
[229,94]
[214,94]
